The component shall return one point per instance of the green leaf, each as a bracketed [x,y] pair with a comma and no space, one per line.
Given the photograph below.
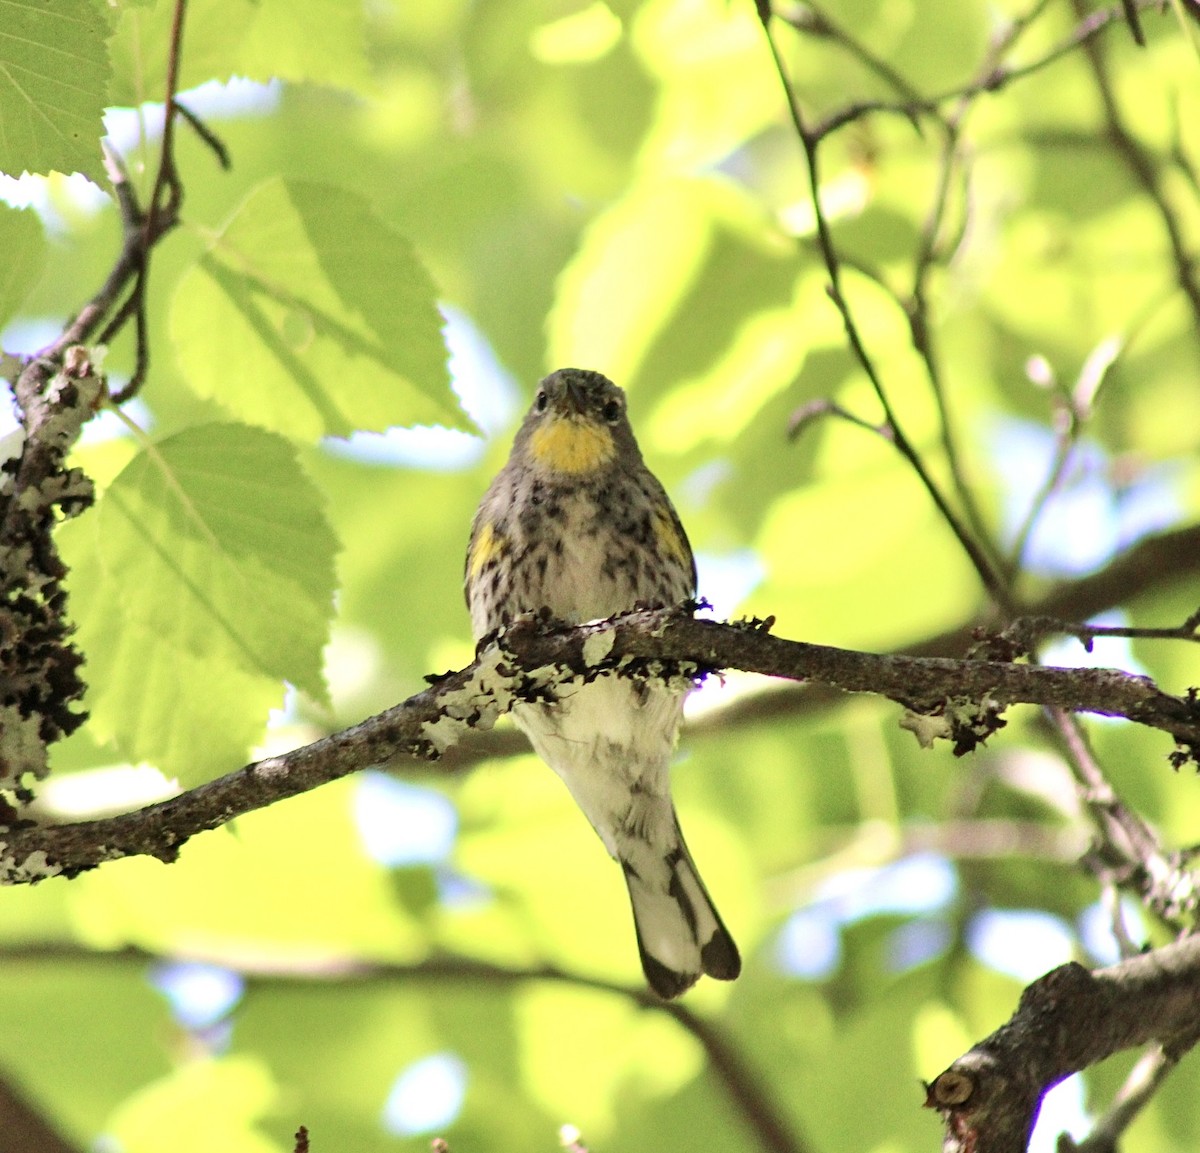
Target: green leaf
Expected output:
[315,41]
[635,262]
[54,76]
[627,1047]
[24,249]
[202,1105]
[192,718]
[224,548]
[208,583]
[327,320]
[304,41]
[716,90]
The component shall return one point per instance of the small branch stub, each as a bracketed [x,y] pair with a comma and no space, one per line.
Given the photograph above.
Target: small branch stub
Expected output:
[1066,1021]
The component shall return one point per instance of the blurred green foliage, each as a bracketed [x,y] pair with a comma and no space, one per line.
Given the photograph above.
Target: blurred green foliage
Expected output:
[616,186]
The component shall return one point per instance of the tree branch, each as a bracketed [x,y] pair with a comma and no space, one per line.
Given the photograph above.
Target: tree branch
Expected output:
[166,199]
[1067,1020]
[39,666]
[57,391]
[1143,1082]
[772,1130]
[959,700]
[23,1128]
[1138,159]
[1150,565]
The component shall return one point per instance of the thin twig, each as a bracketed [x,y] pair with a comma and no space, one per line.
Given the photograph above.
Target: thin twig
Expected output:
[215,144]
[917,312]
[1135,1094]
[1128,844]
[813,21]
[810,143]
[166,198]
[1139,162]
[916,306]
[816,410]
[1032,629]
[1087,29]
[1129,8]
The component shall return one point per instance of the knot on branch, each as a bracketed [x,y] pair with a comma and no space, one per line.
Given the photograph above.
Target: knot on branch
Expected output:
[1066,1021]
[985,1104]
[39,667]
[989,1098]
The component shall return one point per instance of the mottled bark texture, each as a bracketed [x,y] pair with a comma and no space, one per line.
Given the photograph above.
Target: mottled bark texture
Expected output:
[957,700]
[1067,1020]
[40,682]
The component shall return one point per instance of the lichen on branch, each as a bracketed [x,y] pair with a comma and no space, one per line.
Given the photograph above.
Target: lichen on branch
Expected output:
[40,682]
[535,660]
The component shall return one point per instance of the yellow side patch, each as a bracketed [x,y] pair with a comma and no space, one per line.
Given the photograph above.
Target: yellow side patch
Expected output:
[668,538]
[488,545]
[565,445]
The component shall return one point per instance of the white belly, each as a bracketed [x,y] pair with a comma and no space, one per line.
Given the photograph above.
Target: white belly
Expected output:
[611,742]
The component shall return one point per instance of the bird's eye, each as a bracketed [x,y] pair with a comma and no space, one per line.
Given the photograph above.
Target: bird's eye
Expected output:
[540,402]
[612,411]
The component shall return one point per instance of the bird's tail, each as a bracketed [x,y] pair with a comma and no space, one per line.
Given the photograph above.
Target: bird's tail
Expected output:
[680,934]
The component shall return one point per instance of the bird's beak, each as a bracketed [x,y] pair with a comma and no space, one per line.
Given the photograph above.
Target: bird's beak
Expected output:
[573,397]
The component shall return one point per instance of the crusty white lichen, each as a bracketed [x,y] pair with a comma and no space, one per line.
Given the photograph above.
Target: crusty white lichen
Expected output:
[41,682]
[72,396]
[59,489]
[965,721]
[477,704]
[926,728]
[978,716]
[597,647]
[498,682]
[22,749]
[11,446]
[35,867]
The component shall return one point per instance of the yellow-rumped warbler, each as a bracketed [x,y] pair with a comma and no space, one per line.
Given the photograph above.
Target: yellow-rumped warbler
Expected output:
[577,524]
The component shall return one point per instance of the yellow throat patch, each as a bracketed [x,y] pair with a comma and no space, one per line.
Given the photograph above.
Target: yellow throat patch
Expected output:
[565,445]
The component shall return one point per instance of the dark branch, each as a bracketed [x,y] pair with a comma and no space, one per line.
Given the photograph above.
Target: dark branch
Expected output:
[1143,1082]
[810,141]
[991,80]
[1152,564]
[1129,852]
[956,699]
[742,1084]
[24,1128]
[166,199]
[1066,1021]
[40,682]
[56,392]
[1138,159]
